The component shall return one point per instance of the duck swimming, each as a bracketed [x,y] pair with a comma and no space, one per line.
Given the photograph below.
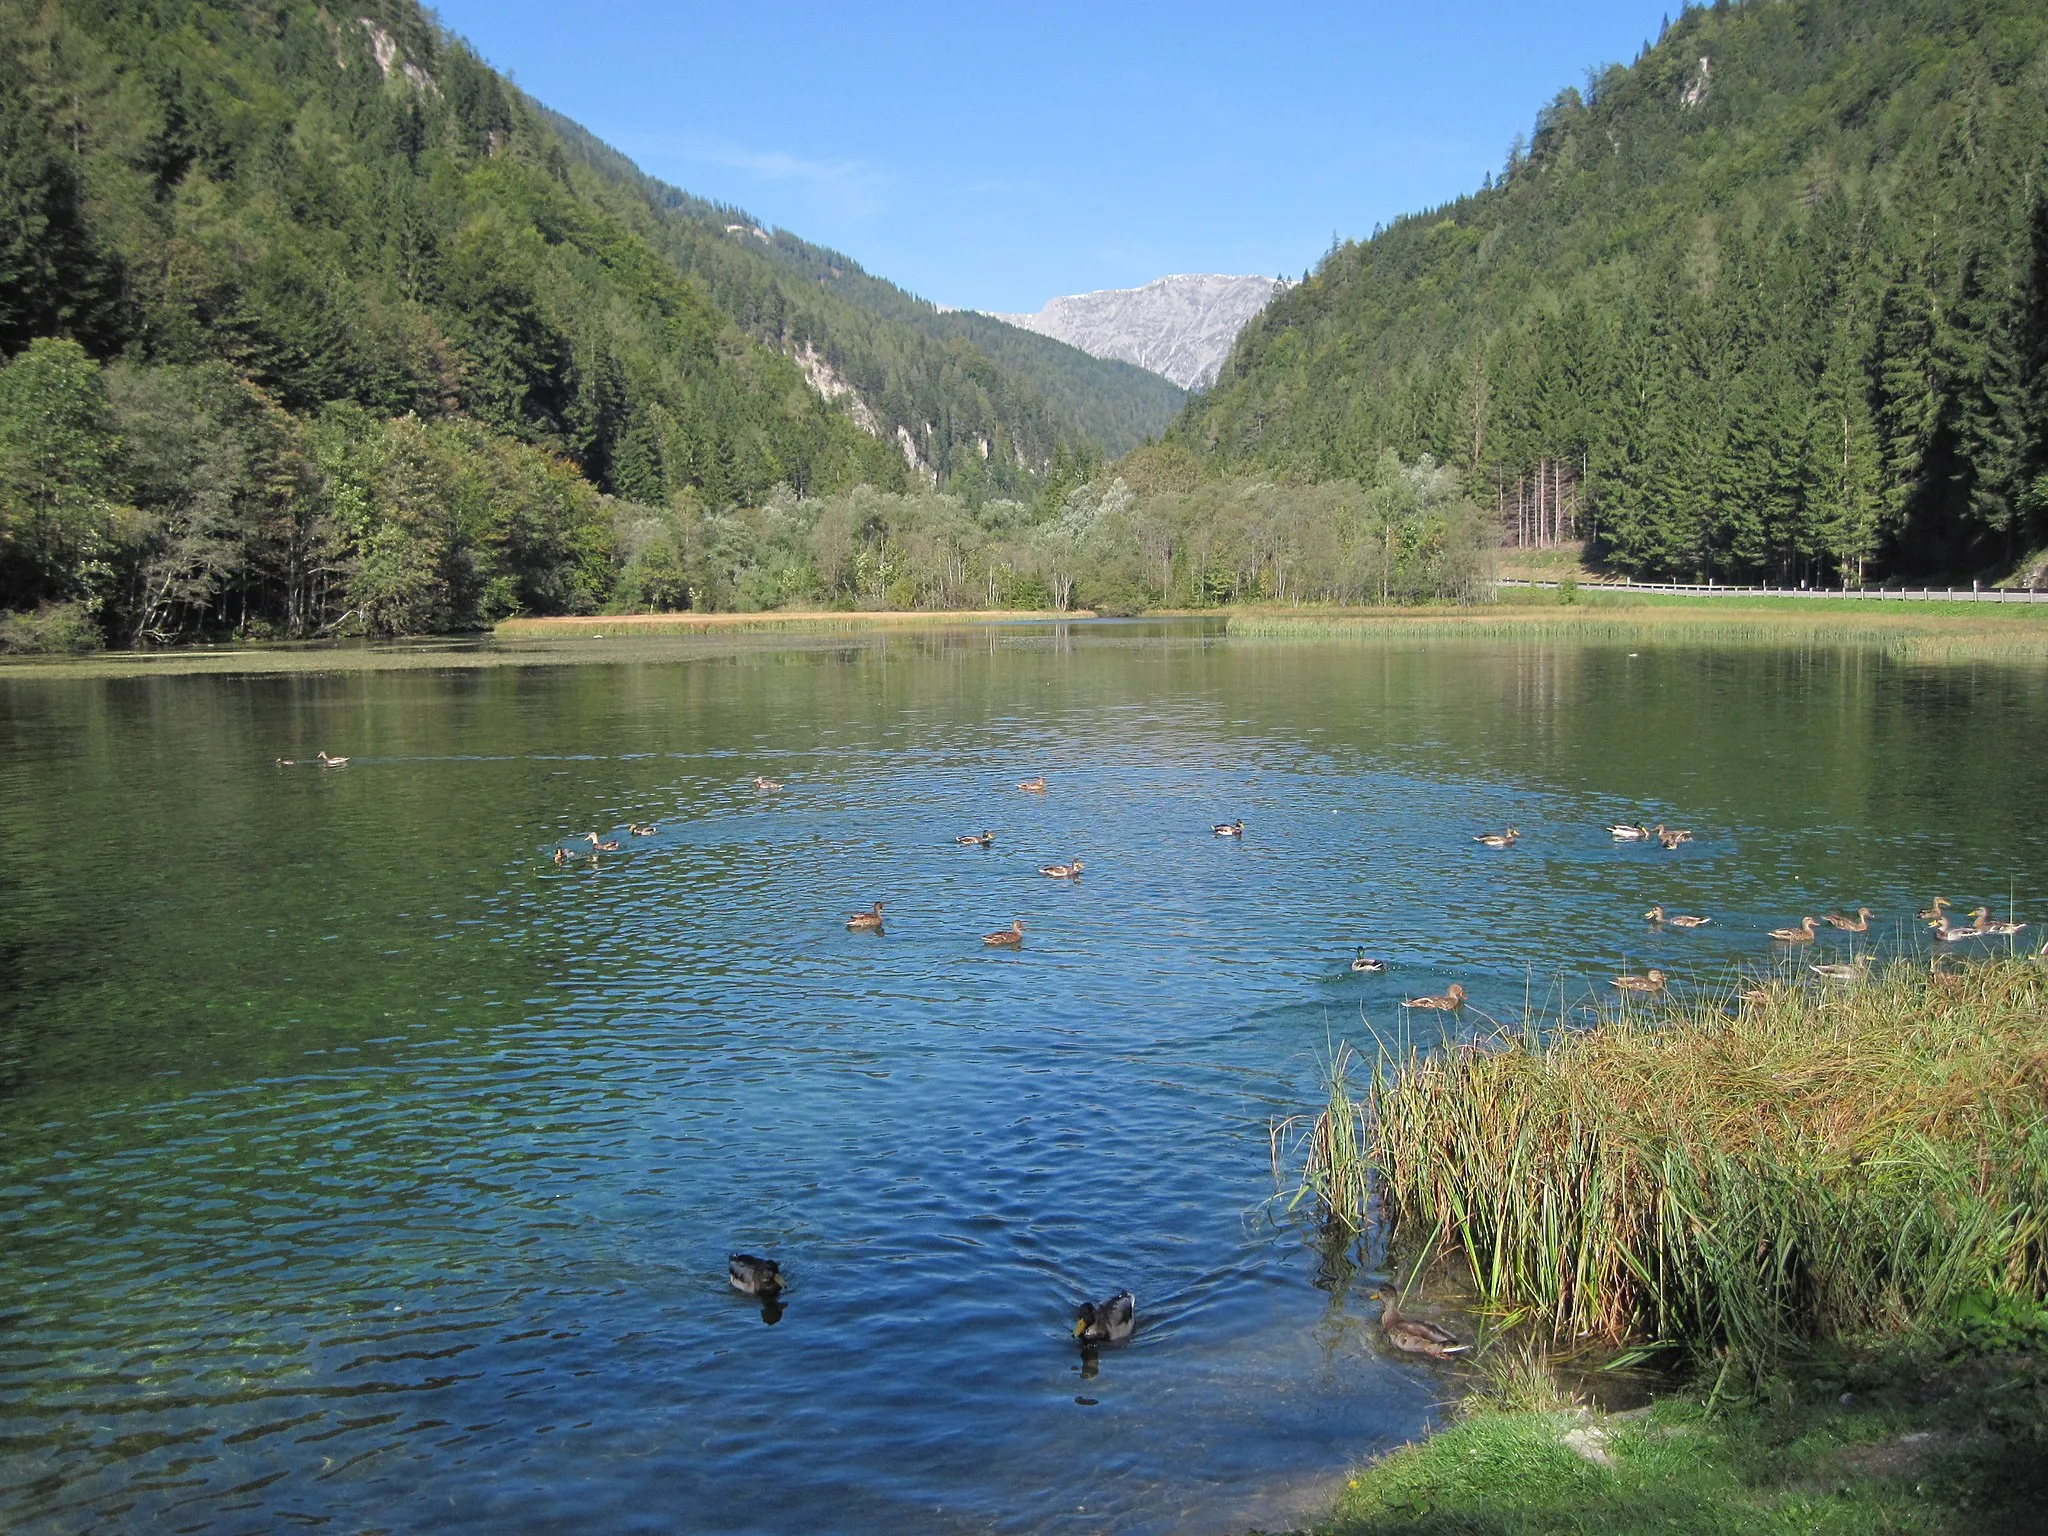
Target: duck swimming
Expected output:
[754,1276]
[1063,871]
[1860,923]
[1228,829]
[642,829]
[1414,1336]
[766,786]
[1851,972]
[1452,1000]
[1637,833]
[1938,913]
[332,762]
[1653,982]
[610,846]
[1033,786]
[1499,839]
[870,919]
[561,855]
[1012,936]
[1980,919]
[1803,934]
[1107,1322]
[986,840]
[1657,914]
[1365,966]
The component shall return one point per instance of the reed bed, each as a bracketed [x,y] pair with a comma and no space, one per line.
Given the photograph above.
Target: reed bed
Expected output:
[777,621]
[1916,636]
[1853,1164]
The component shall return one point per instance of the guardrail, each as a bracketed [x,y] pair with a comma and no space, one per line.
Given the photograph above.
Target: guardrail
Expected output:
[1868,594]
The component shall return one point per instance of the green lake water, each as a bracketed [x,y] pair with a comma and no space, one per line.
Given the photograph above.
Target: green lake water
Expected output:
[362,1168]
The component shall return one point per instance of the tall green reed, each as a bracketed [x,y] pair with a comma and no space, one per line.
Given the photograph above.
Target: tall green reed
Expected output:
[1845,1164]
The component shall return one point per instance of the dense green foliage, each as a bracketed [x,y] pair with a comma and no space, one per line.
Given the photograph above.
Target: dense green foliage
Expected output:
[1405,534]
[1773,301]
[311,322]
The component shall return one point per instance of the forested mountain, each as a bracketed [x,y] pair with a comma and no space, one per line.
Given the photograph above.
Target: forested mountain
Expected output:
[311,321]
[1772,301]
[913,364]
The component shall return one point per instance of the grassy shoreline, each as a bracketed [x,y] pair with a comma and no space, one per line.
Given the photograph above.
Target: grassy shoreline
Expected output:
[1923,633]
[1829,1201]
[799,621]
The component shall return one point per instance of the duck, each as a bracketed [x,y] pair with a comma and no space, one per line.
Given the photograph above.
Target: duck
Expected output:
[1756,997]
[1850,972]
[1365,966]
[1063,871]
[1980,919]
[1626,833]
[1499,839]
[1033,786]
[589,837]
[986,840]
[1950,934]
[1672,839]
[287,762]
[870,919]
[609,846]
[753,1276]
[1106,1322]
[1412,1335]
[1452,1000]
[1937,913]
[642,828]
[766,786]
[1803,934]
[332,762]
[1011,937]
[1658,915]
[561,855]
[1860,923]
[1653,982]
[1228,829]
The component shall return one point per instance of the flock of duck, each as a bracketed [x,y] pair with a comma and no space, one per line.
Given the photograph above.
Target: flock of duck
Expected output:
[1114,1320]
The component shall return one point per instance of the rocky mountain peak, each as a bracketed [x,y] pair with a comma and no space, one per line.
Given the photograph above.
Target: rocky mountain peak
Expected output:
[1181,326]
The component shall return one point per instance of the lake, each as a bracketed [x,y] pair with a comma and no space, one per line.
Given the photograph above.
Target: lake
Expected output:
[360,1166]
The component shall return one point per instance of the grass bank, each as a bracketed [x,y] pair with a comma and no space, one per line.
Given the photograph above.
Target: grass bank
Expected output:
[1917,632]
[1831,1202]
[771,621]
[1857,1447]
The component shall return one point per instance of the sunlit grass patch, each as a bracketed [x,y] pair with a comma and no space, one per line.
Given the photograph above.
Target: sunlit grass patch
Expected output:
[1926,632]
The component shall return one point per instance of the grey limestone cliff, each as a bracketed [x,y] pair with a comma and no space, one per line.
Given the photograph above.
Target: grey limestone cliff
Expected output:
[1181,327]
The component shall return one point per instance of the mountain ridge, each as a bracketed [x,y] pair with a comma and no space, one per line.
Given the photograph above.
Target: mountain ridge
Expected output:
[1770,302]
[1181,326]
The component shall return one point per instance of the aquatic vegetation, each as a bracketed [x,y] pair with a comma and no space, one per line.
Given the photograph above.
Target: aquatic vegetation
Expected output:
[1930,632]
[1840,1164]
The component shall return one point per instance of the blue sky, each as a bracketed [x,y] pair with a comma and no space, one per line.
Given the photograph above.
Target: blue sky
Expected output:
[992,157]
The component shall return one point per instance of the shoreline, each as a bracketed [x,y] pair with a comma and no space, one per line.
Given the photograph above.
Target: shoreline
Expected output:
[1923,632]
[1846,1352]
[598,626]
